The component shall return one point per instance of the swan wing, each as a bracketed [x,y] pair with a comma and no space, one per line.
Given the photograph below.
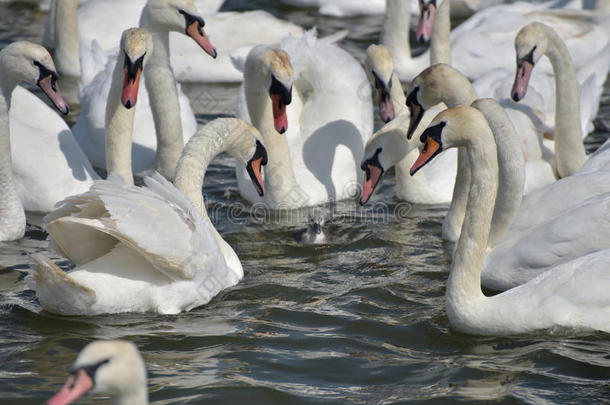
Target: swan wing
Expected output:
[156,221]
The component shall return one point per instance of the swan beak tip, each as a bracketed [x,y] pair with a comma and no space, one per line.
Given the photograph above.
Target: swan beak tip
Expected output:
[372,175]
[75,387]
[429,151]
[48,85]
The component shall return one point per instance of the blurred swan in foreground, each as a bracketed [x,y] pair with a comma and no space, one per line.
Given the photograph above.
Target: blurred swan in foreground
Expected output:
[126,262]
[572,295]
[112,368]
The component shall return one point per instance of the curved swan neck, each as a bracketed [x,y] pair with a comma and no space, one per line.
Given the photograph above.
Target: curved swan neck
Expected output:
[163,94]
[456,91]
[67,58]
[218,136]
[511,165]
[569,148]
[440,50]
[119,127]
[395,31]
[464,284]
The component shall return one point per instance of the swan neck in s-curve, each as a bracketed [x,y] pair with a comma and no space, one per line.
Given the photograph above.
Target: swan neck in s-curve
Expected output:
[217,136]
[163,94]
[119,127]
[395,31]
[457,91]
[440,50]
[67,60]
[569,149]
[511,167]
[464,284]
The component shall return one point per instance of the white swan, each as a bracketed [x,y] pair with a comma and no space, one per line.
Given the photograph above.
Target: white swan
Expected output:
[573,295]
[434,25]
[531,43]
[59,168]
[147,249]
[347,8]
[169,109]
[315,144]
[234,34]
[111,368]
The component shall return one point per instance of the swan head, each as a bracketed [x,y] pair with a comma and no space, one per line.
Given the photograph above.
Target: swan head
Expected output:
[108,367]
[380,71]
[530,44]
[383,150]
[427,12]
[430,87]
[137,46]
[271,68]
[32,63]
[451,128]
[180,16]
[248,149]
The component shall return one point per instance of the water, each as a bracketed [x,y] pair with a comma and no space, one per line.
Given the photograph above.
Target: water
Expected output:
[360,320]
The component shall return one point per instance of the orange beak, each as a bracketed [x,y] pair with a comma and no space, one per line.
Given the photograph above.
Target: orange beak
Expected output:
[131,83]
[426,22]
[195,30]
[77,385]
[431,148]
[522,79]
[48,84]
[280,118]
[257,177]
[372,175]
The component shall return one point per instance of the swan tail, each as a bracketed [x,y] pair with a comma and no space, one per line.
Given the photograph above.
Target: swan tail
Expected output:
[56,290]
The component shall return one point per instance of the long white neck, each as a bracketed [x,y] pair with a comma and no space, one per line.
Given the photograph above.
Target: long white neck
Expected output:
[66,56]
[397,95]
[395,31]
[161,86]
[455,93]
[440,49]
[569,148]
[511,164]
[464,285]
[12,217]
[217,136]
[280,179]
[119,127]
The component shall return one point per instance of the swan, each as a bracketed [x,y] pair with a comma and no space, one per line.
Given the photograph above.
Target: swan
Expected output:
[315,142]
[37,180]
[174,121]
[572,295]
[348,8]
[435,183]
[532,42]
[386,148]
[112,368]
[395,35]
[147,249]
[444,83]
[234,34]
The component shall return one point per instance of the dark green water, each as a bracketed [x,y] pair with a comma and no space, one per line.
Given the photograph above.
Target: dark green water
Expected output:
[358,320]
